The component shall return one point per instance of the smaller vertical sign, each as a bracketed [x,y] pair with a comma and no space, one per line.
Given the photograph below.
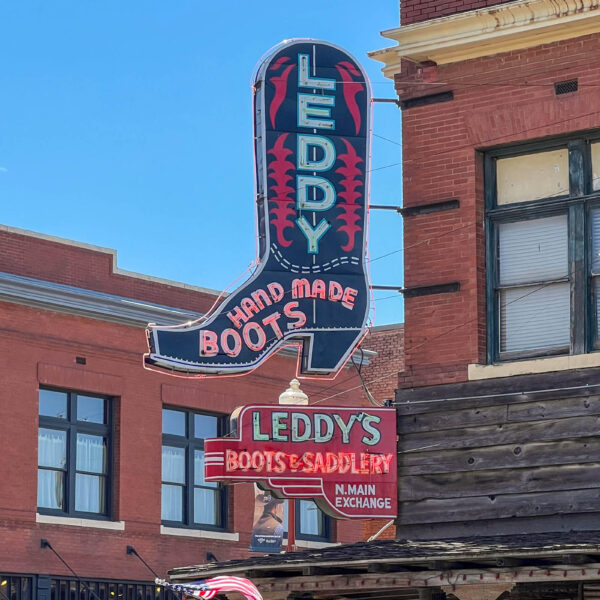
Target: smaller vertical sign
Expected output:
[267,531]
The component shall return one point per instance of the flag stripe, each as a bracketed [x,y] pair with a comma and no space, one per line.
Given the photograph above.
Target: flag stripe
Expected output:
[209,588]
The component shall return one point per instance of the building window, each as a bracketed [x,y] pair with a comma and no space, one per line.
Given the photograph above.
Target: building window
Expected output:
[15,587]
[74,448]
[543,244]
[106,589]
[311,522]
[188,500]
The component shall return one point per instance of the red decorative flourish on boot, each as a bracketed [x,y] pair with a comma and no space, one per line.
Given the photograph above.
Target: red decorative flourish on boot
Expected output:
[351,180]
[280,82]
[282,210]
[350,89]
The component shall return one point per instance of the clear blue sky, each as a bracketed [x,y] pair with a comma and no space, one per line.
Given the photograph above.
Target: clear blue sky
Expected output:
[128,124]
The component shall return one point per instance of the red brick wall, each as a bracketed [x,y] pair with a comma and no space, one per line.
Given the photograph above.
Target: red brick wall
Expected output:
[69,264]
[500,99]
[381,377]
[39,347]
[415,11]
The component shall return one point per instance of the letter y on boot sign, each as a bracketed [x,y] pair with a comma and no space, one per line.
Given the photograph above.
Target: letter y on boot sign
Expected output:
[343,458]
[312,128]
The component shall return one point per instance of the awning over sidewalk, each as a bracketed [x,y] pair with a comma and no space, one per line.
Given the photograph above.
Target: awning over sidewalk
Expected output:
[545,565]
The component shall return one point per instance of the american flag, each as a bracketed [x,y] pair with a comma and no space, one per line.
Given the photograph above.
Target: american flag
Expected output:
[206,589]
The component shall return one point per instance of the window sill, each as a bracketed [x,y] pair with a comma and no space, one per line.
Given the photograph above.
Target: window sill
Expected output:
[75,522]
[310,544]
[200,533]
[532,366]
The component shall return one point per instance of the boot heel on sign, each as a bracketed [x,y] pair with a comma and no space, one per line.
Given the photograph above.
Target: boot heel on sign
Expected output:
[312,103]
[323,351]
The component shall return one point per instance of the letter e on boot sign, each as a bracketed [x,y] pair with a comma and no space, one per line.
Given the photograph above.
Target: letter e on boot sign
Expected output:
[344,458]
[310,288]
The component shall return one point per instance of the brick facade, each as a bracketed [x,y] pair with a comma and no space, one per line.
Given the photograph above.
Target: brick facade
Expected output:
[388,342]
[39,347]
[381,380]
[501,99]
[415,11]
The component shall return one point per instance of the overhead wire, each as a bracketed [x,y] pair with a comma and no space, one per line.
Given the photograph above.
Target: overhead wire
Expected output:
[435,237]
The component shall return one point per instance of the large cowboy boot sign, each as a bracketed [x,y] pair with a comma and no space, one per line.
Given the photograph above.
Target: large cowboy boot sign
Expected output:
[312,127]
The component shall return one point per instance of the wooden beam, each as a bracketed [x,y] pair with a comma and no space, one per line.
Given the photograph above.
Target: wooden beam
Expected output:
[576,559]
[386,568]
[332,585]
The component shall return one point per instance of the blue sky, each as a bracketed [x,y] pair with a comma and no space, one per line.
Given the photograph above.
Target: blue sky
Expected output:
[128,124]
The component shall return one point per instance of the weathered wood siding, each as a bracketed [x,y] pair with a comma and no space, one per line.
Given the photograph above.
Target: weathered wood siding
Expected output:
[497,457]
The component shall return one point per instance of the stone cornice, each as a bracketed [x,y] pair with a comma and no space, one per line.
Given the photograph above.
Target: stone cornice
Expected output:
[501,28]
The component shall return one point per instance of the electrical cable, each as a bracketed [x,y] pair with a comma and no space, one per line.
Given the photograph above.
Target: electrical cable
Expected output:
[426,341]
[358,368]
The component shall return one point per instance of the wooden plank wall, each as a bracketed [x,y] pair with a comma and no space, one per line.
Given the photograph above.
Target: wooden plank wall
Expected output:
[498,458]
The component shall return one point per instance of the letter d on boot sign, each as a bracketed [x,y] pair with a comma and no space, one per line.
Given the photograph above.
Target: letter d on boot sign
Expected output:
[312,132]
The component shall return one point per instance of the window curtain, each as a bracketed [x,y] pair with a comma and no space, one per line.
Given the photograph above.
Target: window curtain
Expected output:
[205,500]
[52,452]
[89,489]
[173,471]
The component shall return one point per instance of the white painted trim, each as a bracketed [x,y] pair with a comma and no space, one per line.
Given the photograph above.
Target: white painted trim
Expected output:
[310,545]
[499,28]
[200,533]
[74,522]
[538,365]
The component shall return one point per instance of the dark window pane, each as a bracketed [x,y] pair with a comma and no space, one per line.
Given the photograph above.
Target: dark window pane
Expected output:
[311,518]
[173,464]
[91,453]
[205,426]
[172,503]
[173,422]
[25,589]
[91,409]
[206,506]
[53,404]
[52,448]
[90,493]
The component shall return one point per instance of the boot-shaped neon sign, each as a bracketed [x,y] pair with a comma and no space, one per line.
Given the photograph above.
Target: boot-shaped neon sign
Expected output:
[311,289]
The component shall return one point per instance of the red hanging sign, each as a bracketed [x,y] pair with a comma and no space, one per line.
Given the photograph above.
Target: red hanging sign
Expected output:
[343,458]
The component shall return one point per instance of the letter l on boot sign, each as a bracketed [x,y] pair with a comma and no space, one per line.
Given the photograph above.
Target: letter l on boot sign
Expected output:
[343,458]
